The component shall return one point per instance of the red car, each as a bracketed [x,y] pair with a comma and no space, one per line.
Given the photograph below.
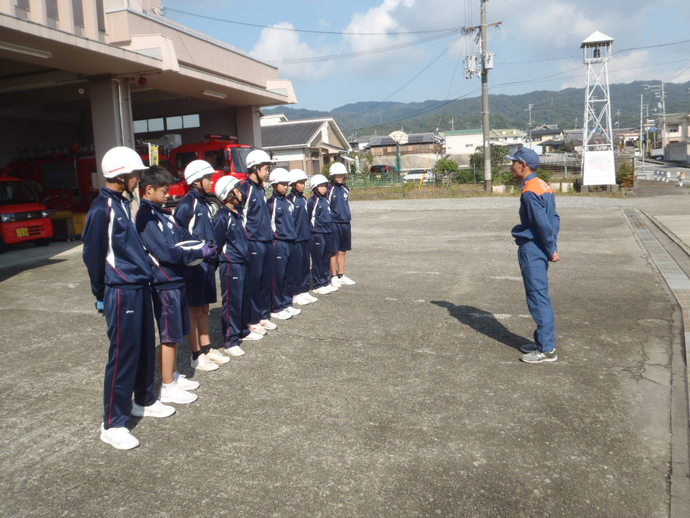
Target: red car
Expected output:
[22,217]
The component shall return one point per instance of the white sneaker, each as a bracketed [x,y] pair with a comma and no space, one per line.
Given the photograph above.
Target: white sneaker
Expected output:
[257,328]
[157,409]
[335,282]
[282,315]
[202,363]
[253,336]
[293,311]
[331,288]
[308,296]
[119,438]
[300,300]
[346,280]
[217,357]
[173,393]
[235,350]
[184,383]
[268,325]
[324,290]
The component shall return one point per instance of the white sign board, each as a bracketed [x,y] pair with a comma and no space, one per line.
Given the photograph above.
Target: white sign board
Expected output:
[599,168]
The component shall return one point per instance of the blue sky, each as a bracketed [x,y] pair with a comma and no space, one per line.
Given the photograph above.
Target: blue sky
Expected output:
[537,45]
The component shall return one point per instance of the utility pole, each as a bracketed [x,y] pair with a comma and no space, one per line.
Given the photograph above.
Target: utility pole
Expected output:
[529,126]
[480,65]
[641,126]
[485,99]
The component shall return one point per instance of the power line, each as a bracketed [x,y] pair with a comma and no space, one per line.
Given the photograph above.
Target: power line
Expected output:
[369,52]
[312,31]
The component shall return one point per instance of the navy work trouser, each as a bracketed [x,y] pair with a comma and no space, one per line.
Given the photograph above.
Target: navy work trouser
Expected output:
[321,251]
[259,279]
[235,314]
[132,353]
[281,258]
[298,268]
[534,266]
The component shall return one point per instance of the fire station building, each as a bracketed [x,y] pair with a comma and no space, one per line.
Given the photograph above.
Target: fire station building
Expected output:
[102,73]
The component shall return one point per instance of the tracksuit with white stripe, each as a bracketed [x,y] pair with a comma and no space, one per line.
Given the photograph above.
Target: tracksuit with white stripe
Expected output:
[257,222]
[321,247]
[231,238]
[120,272]
[160,233]
[298,266]
[338,197]
[283,224]
[194,215]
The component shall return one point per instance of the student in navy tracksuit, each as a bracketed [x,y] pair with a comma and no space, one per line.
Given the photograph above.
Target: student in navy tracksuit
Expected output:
[257,222]
[120,272]
[537,240]
[339,198]
[321,246]
[194,214]
[283,226]
[160,234]
[298,265]
[232,240]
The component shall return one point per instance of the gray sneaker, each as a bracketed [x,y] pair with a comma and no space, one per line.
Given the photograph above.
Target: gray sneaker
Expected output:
[539,357]
[528,348]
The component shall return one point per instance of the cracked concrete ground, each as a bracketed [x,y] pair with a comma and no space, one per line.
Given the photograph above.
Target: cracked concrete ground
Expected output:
[400,396]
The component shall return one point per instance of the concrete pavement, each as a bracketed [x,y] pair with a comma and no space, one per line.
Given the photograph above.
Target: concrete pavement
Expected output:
[400,396]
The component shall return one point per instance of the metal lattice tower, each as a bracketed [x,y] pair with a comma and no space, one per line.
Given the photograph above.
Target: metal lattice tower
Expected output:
[598,166]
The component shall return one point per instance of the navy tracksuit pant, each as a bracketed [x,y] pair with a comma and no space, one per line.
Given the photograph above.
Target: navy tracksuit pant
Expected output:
[281,258]
[534,266]
[298,268]
[132,353]
[259,279]
[235,313]
[321,251]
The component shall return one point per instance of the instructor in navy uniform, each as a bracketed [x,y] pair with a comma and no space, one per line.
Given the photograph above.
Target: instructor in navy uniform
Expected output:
[536,237]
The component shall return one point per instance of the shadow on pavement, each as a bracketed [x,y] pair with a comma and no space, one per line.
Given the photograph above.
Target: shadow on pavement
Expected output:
[11,271]
[484,322]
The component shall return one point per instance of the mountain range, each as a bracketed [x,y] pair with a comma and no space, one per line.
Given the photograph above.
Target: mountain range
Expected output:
[564,107]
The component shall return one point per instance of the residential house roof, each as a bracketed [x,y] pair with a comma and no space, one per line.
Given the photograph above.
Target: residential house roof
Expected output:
[298,134]
[462,132]
[546,129]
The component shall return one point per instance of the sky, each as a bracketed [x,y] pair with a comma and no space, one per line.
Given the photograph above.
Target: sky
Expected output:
[413,50]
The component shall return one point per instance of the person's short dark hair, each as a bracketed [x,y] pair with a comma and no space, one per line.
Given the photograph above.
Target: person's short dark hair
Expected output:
[156,176]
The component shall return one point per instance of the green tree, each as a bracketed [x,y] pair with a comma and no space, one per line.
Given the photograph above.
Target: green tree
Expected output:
[500,174]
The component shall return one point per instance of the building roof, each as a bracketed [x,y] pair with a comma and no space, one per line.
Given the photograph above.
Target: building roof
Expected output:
[546,130]
[509,132]
[296,134]
[413,138]
[596,37]
[462,132]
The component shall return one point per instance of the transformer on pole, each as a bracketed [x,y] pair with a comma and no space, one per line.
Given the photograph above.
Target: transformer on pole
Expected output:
[598,164]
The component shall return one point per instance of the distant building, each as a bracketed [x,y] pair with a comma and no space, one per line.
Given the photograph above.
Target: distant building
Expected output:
[306,144]
[546,132]
[507,137]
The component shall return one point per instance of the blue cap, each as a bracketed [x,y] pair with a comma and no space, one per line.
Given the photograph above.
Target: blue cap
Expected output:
[527,156]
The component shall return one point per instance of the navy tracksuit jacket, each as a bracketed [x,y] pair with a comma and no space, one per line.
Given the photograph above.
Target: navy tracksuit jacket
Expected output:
[231,238]
[298,266]
[194,215]
[257,223]
[120,272]
[321,247]
[338,197]
[283,224]
[536,237]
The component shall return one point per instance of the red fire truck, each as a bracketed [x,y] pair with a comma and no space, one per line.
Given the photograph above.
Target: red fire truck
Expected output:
[22,217]
[221,151]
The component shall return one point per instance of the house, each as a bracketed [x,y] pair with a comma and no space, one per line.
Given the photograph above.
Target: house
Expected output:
[463,142]
[507,137]
[306,144]
[93,73]
[545,132]
[417,151]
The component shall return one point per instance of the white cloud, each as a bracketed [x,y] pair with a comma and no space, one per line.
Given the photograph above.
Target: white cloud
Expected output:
[276,46]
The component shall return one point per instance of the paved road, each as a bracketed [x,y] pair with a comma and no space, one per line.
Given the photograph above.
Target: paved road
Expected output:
[401,396]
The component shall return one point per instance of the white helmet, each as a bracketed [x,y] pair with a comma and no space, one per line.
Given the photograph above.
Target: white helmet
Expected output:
[279,175]
[316,180]
[337,168]
[196,170]
[297,175]
[224,186]
[121,160]
[258,157]
[192,244]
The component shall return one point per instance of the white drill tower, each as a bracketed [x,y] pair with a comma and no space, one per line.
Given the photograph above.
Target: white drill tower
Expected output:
[598,165]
